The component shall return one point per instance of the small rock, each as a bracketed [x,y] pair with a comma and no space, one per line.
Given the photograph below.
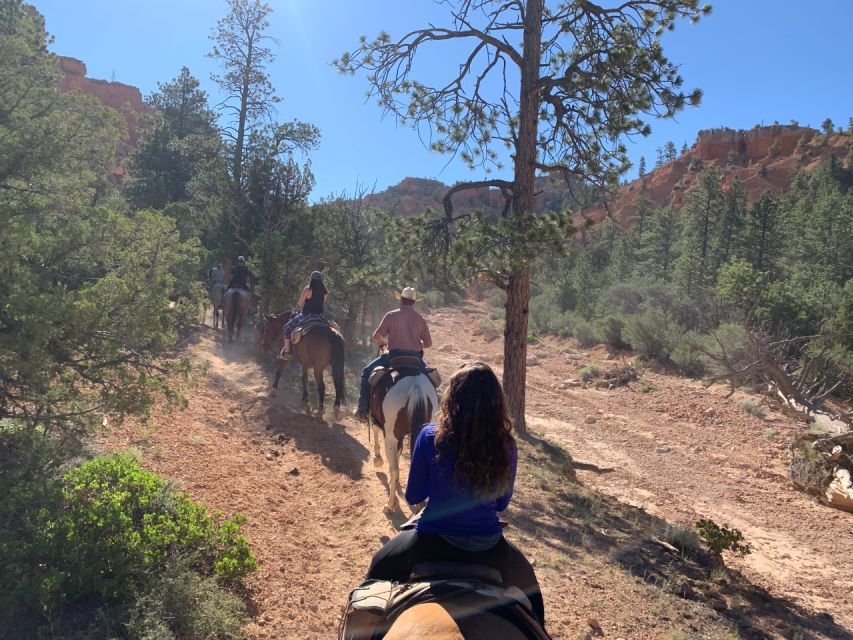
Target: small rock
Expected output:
[466,356]
[590,419]
[447,348]
[294,471]
[532,361]
[571,382]
[663,449]
[270,457]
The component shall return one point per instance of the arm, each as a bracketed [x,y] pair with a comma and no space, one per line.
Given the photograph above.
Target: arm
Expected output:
[417,487]
[306,293]
[379,336]
[426,338]
[503,501]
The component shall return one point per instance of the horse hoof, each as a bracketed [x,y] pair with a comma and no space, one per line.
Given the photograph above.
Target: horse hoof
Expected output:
[389,509]
[338,414]
[377,461]
[273,392]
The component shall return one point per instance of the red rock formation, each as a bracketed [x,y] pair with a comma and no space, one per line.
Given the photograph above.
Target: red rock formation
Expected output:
[125,99]
[763,159]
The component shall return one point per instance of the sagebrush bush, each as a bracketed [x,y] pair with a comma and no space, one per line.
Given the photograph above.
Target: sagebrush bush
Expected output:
[687,354]
[611,332]
[683,538]
[652,334]
[753,408]
[721,538]
[588,373]
[584,333]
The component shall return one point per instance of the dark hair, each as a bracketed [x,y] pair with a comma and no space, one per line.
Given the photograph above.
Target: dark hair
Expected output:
[472,421]
[315,275]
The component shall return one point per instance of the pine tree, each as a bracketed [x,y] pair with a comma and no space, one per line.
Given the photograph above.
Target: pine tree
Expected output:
[731,223]
[559,103]
[183,143]
[660,242]
[702,211]
[763,240]
[670,152]
[642,166]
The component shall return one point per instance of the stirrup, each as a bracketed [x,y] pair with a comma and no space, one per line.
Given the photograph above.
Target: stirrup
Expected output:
[284,356]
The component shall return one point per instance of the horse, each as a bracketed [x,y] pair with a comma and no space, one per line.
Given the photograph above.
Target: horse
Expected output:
[217,299]
[237,303]
[317,349]
[447,621]
[403,408]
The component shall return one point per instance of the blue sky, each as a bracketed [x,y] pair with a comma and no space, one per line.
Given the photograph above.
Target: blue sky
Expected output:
[757,61]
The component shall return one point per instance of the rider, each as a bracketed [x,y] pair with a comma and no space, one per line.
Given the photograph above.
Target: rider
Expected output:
[405,333]
[241,277]
[311,306]
[216,275]
[465,464]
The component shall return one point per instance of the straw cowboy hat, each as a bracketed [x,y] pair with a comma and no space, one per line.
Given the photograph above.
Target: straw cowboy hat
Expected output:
[408,293]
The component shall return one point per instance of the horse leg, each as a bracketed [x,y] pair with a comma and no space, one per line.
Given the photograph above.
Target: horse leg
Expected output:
[279,367]
[321,390]
[305,390]
[377,435]
[392,452]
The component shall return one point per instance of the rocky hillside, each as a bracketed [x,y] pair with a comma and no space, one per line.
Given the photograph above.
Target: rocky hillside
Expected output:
[124,98]
[413,196]
[763,159]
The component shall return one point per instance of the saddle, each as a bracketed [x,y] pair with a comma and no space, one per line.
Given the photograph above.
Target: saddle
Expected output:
[401,367]
[376,604]
[305,328]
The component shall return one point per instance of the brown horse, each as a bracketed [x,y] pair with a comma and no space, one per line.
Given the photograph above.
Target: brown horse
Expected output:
[446,621]
[237,303]
[319,348]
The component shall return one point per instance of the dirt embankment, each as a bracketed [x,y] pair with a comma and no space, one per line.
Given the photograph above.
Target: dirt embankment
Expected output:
[314,500]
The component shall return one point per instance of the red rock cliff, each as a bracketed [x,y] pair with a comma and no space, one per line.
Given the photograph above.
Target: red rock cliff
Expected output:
[763,159]
[125,99]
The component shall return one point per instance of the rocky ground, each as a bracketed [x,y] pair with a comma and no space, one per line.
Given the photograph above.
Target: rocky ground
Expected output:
[661,450]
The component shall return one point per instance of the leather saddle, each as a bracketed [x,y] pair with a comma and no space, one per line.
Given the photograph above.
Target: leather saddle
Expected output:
[401,367]
[305,328]
[375,605]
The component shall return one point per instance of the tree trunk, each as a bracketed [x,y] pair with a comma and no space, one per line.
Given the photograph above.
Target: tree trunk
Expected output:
[515,346]
[518,290]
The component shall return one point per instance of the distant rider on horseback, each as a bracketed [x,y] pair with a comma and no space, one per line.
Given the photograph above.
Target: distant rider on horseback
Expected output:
[241,277]
[311,306]
[216,275]
[405,333]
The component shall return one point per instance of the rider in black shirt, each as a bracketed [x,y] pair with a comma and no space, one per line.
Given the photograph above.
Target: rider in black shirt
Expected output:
[241,277]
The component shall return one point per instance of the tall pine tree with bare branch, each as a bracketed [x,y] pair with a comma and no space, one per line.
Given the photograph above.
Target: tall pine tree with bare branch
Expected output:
[558,84]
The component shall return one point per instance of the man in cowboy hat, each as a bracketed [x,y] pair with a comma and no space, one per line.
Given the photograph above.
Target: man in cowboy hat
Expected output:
[404,332]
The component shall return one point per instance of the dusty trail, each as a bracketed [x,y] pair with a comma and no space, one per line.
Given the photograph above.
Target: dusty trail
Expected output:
[314,500]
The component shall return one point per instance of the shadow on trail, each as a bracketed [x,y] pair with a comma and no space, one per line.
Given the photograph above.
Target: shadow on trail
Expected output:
[576,521]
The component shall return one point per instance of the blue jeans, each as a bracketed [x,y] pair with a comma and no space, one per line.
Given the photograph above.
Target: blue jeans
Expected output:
[382,361]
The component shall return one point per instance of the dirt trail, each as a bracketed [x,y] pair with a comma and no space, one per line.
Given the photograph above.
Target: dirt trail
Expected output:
[314,500]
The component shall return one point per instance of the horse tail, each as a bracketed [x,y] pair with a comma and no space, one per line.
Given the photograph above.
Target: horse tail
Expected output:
[233,308]
[338,359]
[420,409]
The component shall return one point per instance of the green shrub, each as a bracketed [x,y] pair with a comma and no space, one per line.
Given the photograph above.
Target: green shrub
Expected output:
[721,539]
[753,408]
[121,521]
[687,355]
[651,334]
[611,332]
[584,333]
[96,541]
[588,373]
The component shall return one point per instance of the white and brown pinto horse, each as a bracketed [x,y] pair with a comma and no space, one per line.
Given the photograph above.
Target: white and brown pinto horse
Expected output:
[403,409]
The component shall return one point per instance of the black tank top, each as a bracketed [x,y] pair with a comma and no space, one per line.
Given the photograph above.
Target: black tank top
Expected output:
[314,304]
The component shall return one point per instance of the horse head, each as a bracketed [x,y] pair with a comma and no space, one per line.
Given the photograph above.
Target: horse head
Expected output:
[271,330]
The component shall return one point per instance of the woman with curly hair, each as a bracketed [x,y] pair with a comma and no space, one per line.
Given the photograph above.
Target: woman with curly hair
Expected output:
[464,464]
